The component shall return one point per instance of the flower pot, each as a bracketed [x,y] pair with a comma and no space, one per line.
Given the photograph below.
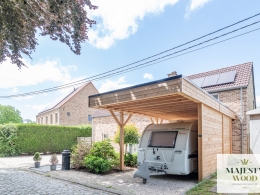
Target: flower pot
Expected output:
[53,167]
[37,164]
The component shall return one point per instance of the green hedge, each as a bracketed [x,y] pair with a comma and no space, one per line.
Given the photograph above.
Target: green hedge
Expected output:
[33,138]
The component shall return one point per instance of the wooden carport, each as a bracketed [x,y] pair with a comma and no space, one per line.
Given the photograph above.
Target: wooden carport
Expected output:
[172,99]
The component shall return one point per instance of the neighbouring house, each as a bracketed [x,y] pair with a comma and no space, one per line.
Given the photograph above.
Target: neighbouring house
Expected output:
[254,130]
[233,86]
[71,110]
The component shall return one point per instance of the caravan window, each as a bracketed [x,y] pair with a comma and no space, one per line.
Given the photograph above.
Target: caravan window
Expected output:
[163,139]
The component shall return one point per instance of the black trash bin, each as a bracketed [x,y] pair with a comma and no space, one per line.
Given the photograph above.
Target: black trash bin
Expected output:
[65,160]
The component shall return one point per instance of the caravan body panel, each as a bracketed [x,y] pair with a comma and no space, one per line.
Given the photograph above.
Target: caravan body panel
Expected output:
[170,148]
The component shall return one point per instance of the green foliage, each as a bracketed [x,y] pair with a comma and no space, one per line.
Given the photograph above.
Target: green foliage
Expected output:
[30,138]
[79,152]
[64,20]
[103,149]
[8,138]
[37,157]
[130,160]
[102,157]
[131,135]
[9,114]
[97,164]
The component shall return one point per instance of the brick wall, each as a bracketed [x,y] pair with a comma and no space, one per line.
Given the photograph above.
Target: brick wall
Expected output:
[75,111]
[41,118]
[107,125]
[232,99]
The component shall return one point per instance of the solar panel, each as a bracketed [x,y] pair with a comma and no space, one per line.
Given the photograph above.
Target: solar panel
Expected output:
[210,80]
[198,81]
[227,77]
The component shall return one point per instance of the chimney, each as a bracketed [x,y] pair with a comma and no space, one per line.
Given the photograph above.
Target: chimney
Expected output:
[173,74]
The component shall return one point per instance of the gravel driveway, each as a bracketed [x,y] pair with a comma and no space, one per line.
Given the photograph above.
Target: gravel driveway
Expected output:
[122,182]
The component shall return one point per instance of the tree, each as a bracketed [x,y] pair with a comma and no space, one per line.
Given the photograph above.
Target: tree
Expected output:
[131,136]
[63,20]
[9,114]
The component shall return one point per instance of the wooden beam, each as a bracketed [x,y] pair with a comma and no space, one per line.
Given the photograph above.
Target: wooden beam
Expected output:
[128,118]
[151,120]
[161,121]
[157,121]
[114,116]
[121,141]
[200,142]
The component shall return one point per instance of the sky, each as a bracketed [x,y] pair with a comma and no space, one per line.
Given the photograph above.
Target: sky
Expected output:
[130,30]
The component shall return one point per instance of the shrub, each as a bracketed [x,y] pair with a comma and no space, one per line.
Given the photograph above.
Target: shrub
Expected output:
[8,138]
[54,159]
[78,154]
[103,149]
[48,138]
[131,136]
[97,164]
[102,157]
[130,160]
[37,157]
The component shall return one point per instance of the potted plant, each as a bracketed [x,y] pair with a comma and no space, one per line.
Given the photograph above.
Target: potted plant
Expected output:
[54,161]
[37,158]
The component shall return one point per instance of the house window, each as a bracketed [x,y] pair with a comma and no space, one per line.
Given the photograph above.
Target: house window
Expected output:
[56,118]
[51,120]
[89,118]
[215,95]
[46,120]
[42,120]
[105,136]
[68,113]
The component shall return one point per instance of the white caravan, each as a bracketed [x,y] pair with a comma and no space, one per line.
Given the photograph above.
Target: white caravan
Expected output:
[169,148]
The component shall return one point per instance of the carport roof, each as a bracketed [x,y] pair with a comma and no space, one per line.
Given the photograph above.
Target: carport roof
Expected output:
[173,98]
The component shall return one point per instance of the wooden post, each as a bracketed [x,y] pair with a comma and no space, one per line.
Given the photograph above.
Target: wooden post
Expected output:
[151,120]
[200,143]
[122,141]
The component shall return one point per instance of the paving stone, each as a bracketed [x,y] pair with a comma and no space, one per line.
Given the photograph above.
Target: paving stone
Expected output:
[15,181]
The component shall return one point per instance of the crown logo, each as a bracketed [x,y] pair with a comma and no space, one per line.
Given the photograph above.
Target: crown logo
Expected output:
[244,162]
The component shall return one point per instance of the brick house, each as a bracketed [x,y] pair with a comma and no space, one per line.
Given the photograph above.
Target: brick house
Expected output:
[70,110]
[238,95]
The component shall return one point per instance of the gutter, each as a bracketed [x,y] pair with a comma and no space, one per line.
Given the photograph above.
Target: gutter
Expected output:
[253,84]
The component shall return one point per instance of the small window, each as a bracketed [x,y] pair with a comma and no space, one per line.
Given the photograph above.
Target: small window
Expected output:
[56,118]
[51,120]
[68,113]
[163,139]
[105,136]
[46,120]
[42,120]
[216,96]
[89,118]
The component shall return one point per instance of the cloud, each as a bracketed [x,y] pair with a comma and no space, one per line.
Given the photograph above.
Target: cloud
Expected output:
[50,70]
[195,5]
[148,76]
[258,101]
[37,107]
[113,85]
[117,19]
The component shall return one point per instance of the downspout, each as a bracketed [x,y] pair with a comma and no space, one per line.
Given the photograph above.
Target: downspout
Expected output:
[241,118]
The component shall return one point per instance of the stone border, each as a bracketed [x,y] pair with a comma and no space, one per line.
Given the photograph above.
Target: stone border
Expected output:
[79,183]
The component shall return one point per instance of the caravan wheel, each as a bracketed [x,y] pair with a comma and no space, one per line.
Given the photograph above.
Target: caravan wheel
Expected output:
[144,181]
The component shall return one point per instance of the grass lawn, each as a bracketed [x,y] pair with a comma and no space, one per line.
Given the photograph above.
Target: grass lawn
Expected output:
[204,186]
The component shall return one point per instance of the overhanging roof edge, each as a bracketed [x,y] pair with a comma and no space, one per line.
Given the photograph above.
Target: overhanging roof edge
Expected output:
[140,85]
